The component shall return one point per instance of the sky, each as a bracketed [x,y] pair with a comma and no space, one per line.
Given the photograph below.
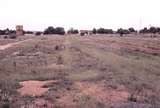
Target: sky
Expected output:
[79,14]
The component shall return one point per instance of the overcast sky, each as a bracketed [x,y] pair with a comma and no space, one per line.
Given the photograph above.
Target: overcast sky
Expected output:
[81,14]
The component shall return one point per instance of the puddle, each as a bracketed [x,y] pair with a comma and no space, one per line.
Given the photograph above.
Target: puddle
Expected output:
[34,88]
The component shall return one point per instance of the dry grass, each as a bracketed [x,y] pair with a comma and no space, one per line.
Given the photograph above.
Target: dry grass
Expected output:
[82,76]
[118,63]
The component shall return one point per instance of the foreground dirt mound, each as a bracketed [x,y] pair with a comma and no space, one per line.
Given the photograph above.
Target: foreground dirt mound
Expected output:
[34,88]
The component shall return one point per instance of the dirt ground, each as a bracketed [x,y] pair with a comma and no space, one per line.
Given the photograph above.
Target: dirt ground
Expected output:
[98,71]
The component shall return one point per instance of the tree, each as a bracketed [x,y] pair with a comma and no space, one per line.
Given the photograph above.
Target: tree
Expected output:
[52,30]
[101,31]
[158,29]
[49,30]
[104,31]
[94,31]
[122,31]
[2,32]
[12,31]
[144,30]
[152,30]
[7,32]
[72,31]
[60,31]
[108,31]
[75,31]
[131,30]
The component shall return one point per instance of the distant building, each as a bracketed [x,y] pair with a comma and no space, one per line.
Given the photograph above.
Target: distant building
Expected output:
[19,30]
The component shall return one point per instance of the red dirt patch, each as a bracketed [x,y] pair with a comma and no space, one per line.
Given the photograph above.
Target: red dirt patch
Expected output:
[34,88]
[67,99]
[95,90]
[100,92]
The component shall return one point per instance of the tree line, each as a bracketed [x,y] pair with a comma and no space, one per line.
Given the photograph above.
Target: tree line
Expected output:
[61,31]
[130,30]
[7,32]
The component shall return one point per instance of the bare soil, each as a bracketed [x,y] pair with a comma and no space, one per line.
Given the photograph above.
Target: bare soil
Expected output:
[98,71]
[33,88]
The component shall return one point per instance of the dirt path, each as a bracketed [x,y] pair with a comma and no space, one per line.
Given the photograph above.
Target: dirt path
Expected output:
[66,54]
[3,47]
